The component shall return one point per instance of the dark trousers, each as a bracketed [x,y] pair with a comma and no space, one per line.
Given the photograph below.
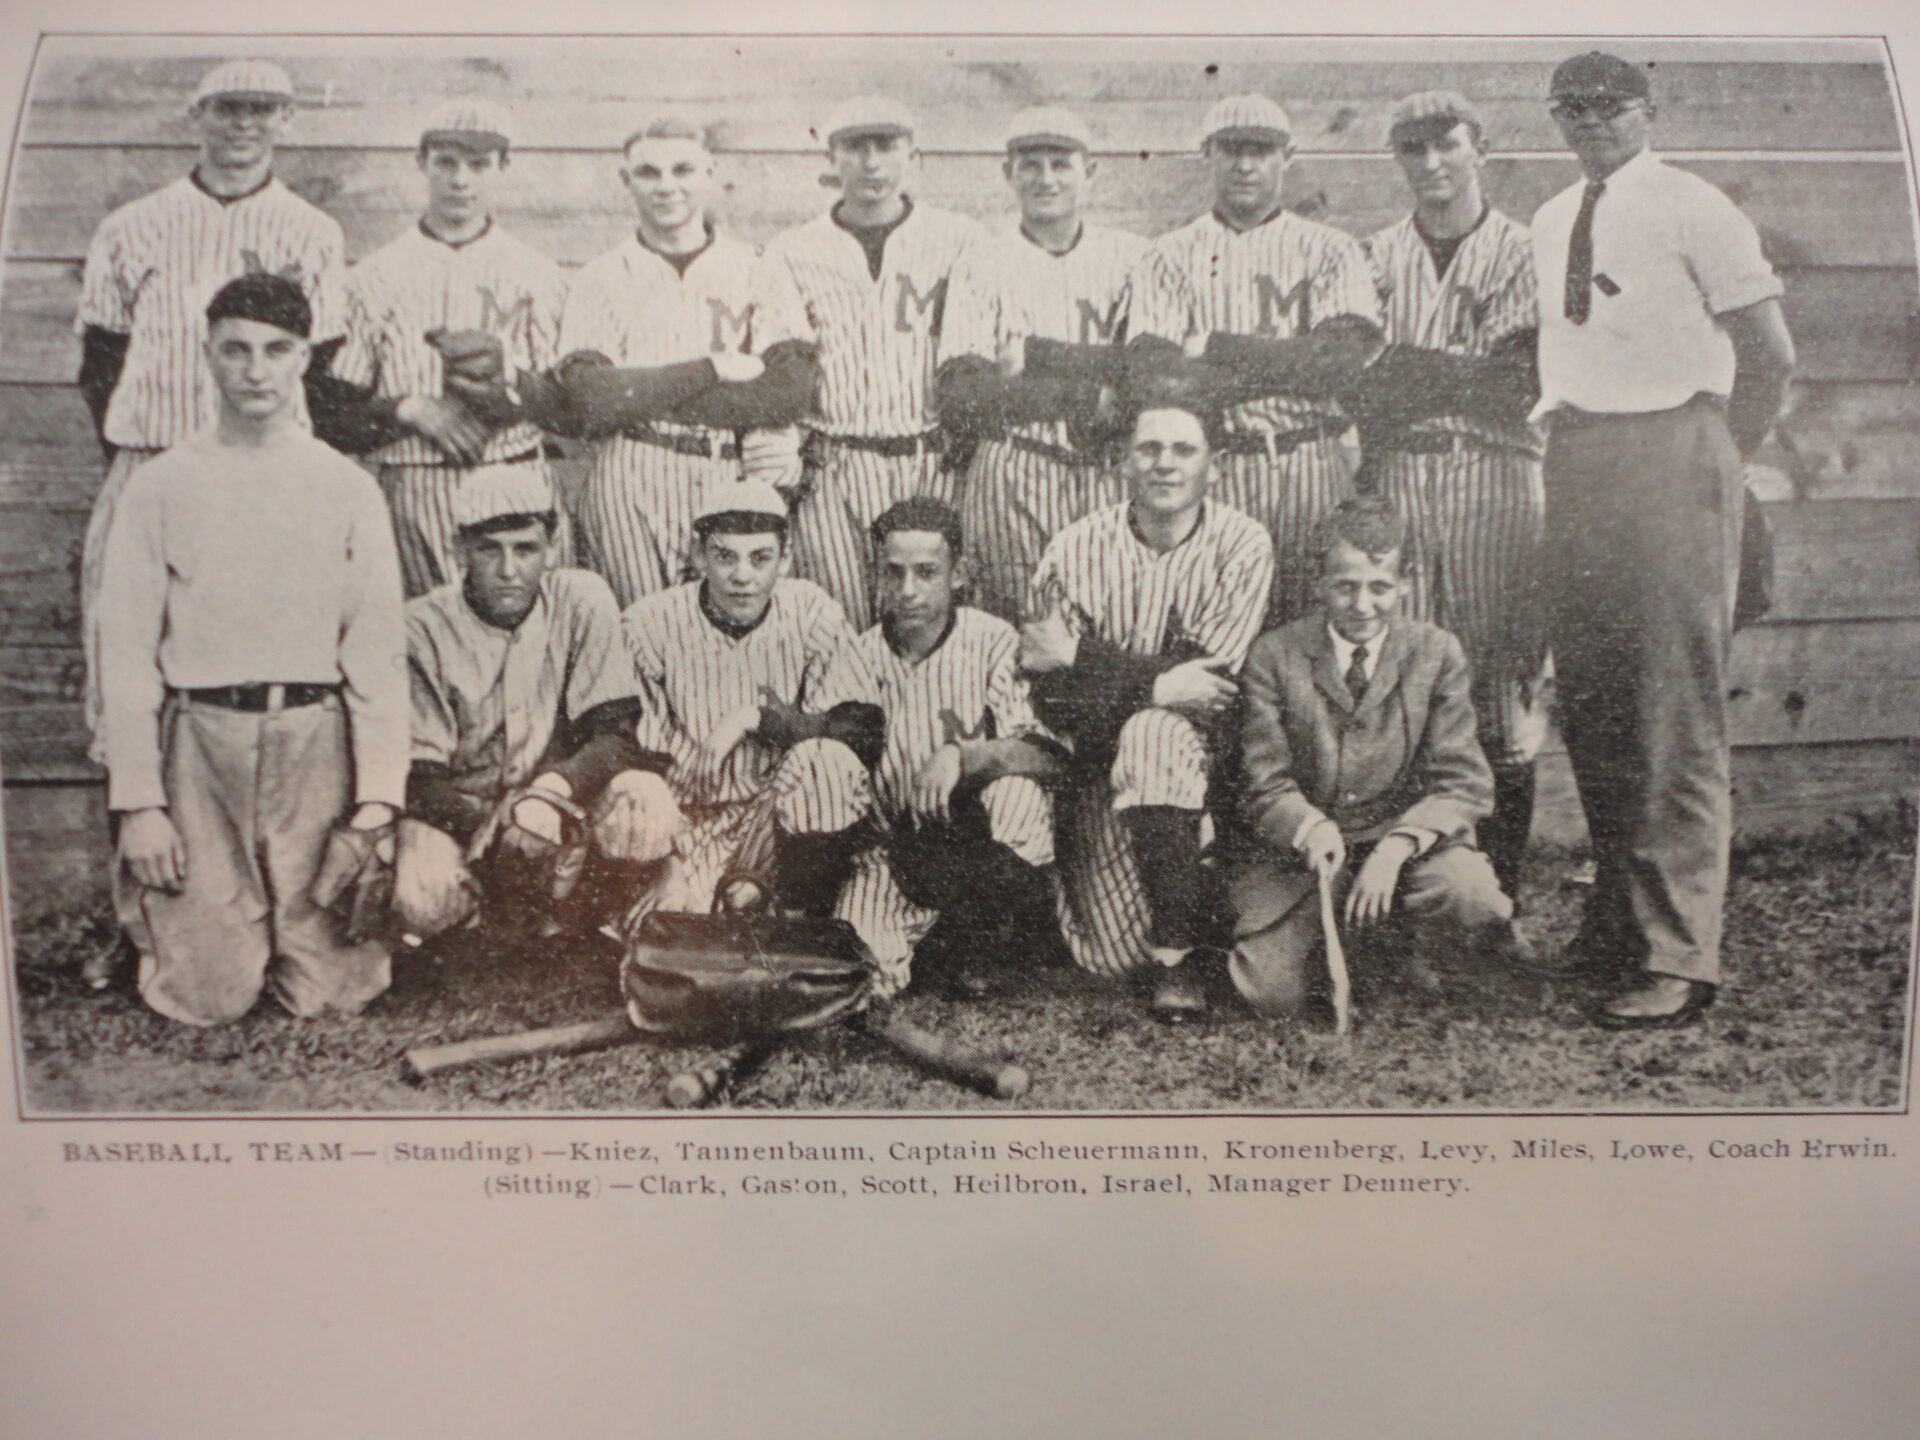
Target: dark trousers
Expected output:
[1643,535]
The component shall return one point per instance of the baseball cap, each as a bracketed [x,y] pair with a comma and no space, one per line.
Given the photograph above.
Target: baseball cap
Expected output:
[868,115]
[1598,73]
[476,124]
[1047,125]
[1250,117]
[245,77]
[489,491]
[1439,110]
[747,497]
[268,298]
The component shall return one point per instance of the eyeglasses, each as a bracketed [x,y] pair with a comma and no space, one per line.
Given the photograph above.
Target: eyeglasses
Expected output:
[229,107]
[1601,107]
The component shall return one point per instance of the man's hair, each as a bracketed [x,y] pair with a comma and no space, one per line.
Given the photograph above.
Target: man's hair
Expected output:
[1213,422]
[548,520]
[667,127]
[267,298]
[1369,523]
[741,522]
[921,512]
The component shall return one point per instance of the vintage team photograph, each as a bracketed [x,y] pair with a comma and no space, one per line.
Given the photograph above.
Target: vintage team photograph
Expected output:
[617,574]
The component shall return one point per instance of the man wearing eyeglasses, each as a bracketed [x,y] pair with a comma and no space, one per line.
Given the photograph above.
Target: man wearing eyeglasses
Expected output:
[1664,359]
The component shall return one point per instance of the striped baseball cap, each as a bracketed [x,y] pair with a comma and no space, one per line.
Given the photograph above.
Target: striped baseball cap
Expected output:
[488,492]
[476,124]
[868,115]
[1250,117]
[1048,126]
[245,77]
[1434,110]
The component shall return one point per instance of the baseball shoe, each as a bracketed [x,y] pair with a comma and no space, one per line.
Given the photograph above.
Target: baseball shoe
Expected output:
[1178,994]
[1664,1002]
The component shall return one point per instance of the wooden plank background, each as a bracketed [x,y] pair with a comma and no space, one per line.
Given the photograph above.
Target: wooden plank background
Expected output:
[1824,694]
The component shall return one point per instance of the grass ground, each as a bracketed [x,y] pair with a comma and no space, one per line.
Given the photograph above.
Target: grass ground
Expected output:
[1813,1016]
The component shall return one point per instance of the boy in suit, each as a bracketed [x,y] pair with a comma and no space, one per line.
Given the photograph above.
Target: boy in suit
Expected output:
[1360,762]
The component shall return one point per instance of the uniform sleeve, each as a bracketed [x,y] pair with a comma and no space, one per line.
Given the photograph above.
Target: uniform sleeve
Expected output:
[327,290]
[827,636]
[1456,783]
[779,309]
[1162,300]
[1344,283]
[845,679]
[1515,305]
[543,330]
[432,725]
[971,325]
[373,651]
[1236,606]
[586,318]
[1722,250]
[658,729]
[106,296]
[131,609]
[1008,696]
[358,360]
[599,668]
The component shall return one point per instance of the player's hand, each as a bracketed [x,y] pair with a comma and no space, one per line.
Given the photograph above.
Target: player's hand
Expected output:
[152,849]
[1324,847]
[373,815]
[638,818]
[1199,687]
[930,797]
[1371,898]
[735,367]
[474,354]
[773,456]
[725,737]
[1047,643]
[1012,357]
[447,423]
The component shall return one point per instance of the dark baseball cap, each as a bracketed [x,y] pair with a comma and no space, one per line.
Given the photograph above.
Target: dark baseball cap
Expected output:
[1598,73]
[269,299]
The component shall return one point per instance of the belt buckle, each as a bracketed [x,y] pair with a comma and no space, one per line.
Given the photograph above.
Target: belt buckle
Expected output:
[276,698]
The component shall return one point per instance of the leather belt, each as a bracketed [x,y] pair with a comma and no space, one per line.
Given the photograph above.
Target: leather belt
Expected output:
[1060,454]
[260,698]
[929,442]
[1274,444]
[708,444]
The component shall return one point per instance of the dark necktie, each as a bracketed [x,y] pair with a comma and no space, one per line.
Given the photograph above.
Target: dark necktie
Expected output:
[1357,674]
[1580,256]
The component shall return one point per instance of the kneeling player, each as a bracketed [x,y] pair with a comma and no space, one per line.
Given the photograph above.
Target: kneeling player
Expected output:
[529,802]
[1147,611]
[953,824]
[1360,761]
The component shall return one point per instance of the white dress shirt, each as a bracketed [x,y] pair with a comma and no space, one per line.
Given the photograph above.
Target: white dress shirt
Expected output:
[1670,253]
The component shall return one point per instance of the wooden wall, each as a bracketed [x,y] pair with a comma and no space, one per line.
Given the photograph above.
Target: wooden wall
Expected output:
[1827,692]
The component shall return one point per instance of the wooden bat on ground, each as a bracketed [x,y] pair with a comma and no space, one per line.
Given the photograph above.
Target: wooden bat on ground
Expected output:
[1336,956]
[690,1089]
[990,1074]
[424,1060]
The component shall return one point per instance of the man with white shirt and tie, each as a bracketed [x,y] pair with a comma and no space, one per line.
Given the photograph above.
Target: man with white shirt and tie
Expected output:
[1664,359]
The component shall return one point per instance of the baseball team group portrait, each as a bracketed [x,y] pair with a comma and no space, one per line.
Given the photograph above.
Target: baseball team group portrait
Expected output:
[1259,574]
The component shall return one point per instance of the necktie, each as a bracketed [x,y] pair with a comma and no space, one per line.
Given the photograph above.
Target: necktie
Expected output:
[1580,256]
[1357,674]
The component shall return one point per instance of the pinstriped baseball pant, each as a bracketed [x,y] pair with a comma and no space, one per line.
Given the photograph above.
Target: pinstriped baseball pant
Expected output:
[420,498]
[832,545]
[1160,759]
[1478,518]
[1288,494]
[1019,816]
[635,514]
[1014,503]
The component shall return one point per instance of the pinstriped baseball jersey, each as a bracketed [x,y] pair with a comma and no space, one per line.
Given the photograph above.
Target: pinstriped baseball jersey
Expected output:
[486,701]
[153,266]
[1488,293]
[1277,280]
[965,689]
[692,674]
[879,339]
[1208,593]
[1005,288]
[416,283]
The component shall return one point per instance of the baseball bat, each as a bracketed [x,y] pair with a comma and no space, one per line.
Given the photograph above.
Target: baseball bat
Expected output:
[424,1060]
[949,1059]
[1336,956]
[691,1089]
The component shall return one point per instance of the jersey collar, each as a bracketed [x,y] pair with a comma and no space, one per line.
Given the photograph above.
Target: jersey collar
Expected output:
[193,177]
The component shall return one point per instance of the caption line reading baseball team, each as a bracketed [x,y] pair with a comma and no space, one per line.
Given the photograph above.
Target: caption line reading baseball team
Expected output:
[1008,593]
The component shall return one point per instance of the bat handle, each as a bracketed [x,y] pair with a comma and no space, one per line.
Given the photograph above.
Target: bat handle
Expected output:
[691,1089]
[1336,956]
[990,1074]
[424,1060]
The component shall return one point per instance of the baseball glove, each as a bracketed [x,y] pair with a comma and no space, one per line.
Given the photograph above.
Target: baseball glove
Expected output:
[725,979]
[433,891]
[637,818]
[355,881]
[527,870]
[470,354]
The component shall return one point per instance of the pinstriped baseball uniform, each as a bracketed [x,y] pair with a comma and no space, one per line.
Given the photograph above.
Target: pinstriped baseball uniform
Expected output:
[151,269]
[1004,289]
[634,307]
[966,689]
[878,342]
[1207,595]
[414,284]
[1277,280]
[692,674]
[1478,512]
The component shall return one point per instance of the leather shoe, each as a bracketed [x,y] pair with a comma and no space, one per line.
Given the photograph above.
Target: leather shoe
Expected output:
[1177,995]
[1693,1004]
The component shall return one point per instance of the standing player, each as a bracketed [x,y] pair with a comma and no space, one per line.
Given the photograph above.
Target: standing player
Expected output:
[152,267]
[1041,461]
[1287,308]
[868,282]
[956,826]
[1457,280]
[454,270]
[1148,609]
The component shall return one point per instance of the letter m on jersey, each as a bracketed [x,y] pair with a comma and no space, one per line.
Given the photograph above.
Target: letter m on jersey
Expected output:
[498,319]
[926,309]
[1096,328]
[954,730]
[1294,306]
[729,326]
